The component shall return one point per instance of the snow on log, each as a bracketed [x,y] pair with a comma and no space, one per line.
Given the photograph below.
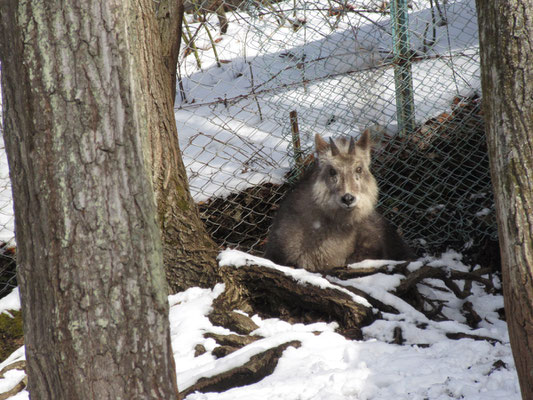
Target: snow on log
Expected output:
[295,295]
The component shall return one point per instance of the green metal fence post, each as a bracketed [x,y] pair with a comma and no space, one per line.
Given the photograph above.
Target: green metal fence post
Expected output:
[405,109]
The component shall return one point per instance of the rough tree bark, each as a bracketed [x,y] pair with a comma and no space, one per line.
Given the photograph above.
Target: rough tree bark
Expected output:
[93,290]
[169,14]
[188,251]
[505,30]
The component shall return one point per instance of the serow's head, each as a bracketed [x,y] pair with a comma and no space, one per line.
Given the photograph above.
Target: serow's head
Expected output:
[344,180]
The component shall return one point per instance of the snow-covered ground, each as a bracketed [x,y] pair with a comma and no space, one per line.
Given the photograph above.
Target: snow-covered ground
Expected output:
[327,366]
[234,132]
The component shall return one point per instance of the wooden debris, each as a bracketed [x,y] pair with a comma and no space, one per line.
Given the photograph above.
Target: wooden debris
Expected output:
[462,335]
[234,321]
[236,341]
[472,317]
[398,336]
[199,349]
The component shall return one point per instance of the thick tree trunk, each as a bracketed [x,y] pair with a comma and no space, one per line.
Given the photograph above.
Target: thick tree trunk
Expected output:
[169,14]
[89,253]
[188,251]
[506,29]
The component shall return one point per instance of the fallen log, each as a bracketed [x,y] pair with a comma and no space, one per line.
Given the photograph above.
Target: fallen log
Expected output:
[270,292]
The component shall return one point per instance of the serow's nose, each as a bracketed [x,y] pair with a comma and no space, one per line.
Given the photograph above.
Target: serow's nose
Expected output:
[348,199]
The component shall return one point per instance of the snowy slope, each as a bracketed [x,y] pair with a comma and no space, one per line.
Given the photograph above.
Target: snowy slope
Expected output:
[327,366]
[234,132]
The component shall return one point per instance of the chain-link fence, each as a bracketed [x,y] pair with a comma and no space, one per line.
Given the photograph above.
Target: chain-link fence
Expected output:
[337,67]
[411,76]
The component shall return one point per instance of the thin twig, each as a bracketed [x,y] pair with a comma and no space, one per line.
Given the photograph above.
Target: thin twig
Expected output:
[253,92]
[213,44]
[183,96]
[189,41]
[296,140]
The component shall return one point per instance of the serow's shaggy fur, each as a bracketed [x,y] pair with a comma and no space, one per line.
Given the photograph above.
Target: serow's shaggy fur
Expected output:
[329,218]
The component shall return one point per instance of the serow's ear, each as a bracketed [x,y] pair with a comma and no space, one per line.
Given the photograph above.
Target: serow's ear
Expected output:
[365,141]
[320,144]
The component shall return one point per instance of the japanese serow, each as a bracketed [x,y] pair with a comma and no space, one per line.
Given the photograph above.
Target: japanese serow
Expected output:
[329,218]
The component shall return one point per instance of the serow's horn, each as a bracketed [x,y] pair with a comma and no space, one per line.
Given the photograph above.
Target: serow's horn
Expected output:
[334,149]
[351,149]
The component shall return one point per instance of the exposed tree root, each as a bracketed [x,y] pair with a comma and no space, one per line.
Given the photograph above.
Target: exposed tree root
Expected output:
[272,293]
[448,276]
[253,371]
[19,386]
[462,335]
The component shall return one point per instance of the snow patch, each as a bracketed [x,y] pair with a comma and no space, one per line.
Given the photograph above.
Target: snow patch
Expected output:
[10,302]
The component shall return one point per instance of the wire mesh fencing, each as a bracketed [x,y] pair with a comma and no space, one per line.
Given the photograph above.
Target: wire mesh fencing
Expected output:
[257,79]
[406,70]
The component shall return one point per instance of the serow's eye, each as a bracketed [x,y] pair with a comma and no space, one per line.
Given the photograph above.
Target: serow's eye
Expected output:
[359,170]
[332,172]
